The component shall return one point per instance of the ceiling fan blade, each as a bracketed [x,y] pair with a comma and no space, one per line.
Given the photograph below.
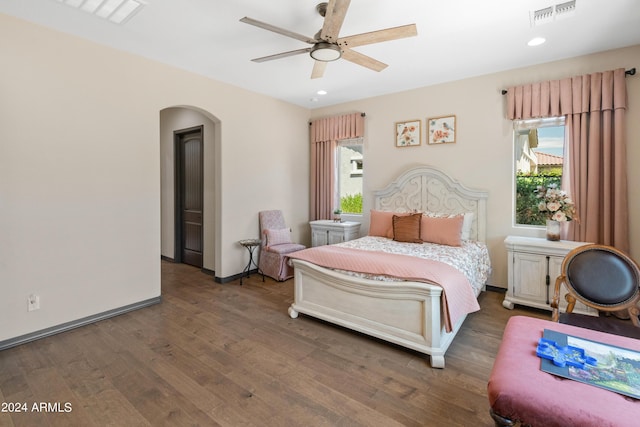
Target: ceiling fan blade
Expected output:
[333,19]
[318,69]
[364,60]
[282,55]
[379,36]
[278,30]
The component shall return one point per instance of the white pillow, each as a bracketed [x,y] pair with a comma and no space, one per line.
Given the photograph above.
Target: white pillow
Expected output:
[466,226]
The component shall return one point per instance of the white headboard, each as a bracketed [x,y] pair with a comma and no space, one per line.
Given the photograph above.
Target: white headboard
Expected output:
[426,188]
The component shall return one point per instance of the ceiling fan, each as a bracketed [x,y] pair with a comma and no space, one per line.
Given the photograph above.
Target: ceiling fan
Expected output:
[327,46]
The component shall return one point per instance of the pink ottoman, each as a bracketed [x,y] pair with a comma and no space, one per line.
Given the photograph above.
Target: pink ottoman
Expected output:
[520,392]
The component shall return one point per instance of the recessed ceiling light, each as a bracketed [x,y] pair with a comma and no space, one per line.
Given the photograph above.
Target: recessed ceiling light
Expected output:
[321,92]
[116,11]
[536,41]
[314,99]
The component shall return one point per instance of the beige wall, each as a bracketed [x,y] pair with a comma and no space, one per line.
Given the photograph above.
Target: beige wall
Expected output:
[80,173]
[482,156]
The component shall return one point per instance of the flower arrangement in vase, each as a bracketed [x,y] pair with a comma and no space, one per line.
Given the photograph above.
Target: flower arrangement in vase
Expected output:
[557,207]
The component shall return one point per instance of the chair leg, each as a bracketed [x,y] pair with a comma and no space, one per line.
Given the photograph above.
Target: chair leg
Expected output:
[634,312]
[501,421]
[622,315]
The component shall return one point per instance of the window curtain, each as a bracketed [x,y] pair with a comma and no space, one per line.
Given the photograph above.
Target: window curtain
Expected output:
[594,106]
[325,134]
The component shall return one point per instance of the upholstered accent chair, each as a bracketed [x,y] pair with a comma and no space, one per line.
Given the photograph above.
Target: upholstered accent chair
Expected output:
[276,244]
[603,278]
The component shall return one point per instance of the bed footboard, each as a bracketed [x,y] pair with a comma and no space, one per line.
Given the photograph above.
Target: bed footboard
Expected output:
[404,313]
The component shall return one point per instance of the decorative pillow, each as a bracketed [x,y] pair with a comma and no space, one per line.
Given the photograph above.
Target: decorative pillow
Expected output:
[442,230]
[407,228]
[277,236]
[381,223]
[466,226]
[465,234]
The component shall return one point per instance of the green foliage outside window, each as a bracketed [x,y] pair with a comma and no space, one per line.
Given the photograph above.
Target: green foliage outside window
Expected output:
[351,203]
[526,202]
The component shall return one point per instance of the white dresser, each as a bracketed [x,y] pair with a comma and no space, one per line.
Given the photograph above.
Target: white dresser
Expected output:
[328,232]
[533,266]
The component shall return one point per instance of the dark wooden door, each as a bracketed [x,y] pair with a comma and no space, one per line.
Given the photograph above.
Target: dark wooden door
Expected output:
[190,198]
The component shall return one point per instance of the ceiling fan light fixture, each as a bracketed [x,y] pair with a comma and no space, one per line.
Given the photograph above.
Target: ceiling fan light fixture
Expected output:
[325,52]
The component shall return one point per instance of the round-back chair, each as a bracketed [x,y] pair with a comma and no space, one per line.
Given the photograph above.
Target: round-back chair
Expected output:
[601,277]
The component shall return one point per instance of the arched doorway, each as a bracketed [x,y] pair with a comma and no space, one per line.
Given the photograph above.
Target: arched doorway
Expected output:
[174,120]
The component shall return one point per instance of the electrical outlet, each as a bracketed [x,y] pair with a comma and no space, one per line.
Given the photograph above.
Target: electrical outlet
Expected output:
[33,302]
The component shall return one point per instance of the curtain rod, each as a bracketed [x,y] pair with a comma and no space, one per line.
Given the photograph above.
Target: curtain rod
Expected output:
[365,114]
[630,72]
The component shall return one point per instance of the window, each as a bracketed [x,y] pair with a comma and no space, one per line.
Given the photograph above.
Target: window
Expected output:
[539,160]
[349,171]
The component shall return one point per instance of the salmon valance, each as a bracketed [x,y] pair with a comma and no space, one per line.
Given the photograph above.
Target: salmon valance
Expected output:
[581,94]
[337,127]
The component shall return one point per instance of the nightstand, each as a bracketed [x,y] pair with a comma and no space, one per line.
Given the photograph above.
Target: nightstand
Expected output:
[533,266]
[328,232]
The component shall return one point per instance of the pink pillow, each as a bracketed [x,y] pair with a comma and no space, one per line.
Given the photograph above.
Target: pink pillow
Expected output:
[443,230]
[381,223]
[466,224]
[278,236]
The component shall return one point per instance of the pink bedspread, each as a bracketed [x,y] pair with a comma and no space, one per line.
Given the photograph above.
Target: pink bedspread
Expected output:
[458,298]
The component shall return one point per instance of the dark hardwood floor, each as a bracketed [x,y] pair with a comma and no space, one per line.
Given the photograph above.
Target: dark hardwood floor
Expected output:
[229,355]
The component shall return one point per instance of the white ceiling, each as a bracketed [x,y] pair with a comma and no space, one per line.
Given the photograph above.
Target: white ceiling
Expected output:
[456,39]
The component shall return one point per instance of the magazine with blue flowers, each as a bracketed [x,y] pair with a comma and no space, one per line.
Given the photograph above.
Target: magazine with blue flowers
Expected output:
[617,369]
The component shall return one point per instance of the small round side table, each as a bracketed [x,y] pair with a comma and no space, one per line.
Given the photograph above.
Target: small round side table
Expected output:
[251,245]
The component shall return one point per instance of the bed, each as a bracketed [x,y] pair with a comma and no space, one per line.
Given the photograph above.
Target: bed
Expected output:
[412,312]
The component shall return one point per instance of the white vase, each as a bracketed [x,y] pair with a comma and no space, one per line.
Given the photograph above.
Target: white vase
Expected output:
[553,230]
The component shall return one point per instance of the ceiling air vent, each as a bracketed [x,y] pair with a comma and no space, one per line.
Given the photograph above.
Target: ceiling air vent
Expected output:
[542,16]
[566,9]
[552,13]
[116,11]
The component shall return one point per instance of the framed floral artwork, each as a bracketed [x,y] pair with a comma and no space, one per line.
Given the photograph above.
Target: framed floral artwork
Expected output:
[441,129]
[408,133]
